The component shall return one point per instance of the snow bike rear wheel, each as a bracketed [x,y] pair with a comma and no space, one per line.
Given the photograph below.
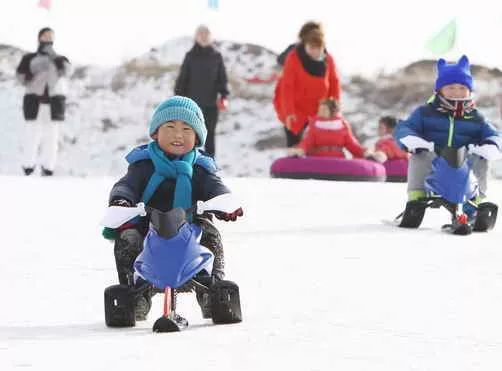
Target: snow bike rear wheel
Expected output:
[119,306]
[225,302]
[413,214]
[486,217]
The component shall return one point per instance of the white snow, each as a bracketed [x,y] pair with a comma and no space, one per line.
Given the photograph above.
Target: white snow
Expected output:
[324,285]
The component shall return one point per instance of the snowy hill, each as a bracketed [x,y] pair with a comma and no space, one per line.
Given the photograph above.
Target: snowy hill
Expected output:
[109,108]
[324,285]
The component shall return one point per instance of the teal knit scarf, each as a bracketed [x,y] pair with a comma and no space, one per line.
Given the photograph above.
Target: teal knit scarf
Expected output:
[165,168]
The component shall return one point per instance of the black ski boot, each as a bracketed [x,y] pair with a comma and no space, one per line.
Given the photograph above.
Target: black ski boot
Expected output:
[204,300]
[143,301]
[47,172]
[28,170]
[202,293]
[413,214]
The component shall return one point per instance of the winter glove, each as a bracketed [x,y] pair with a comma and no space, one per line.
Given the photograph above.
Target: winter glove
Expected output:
[296,152]
[229,216]
[222,104]
[487,151]
[113,233]
[377,156]
[290,120]
[414,144]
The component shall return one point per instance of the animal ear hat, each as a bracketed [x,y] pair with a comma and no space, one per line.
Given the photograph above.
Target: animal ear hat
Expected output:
[454,73]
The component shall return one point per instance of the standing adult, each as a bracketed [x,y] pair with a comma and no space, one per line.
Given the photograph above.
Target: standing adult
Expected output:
[309,76]
[204,79]
[43,73]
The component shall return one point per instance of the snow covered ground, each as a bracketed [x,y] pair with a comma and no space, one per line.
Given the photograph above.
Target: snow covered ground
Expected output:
[324,285]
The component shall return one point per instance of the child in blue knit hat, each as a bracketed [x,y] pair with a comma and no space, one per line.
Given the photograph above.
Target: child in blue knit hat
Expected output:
[449,119]
[169,172]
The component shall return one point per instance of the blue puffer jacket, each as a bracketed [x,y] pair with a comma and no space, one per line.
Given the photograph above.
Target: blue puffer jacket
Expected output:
[428,123]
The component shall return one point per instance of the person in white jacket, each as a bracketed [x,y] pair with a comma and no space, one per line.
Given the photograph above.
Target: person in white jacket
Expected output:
[43,73]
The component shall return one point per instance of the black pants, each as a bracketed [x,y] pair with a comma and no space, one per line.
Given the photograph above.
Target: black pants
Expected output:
[293,139]
[31,105]
[211,118]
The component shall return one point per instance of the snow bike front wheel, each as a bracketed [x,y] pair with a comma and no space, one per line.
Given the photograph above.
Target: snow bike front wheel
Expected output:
[166,324]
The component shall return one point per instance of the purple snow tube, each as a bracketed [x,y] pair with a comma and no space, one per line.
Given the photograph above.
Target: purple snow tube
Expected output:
[328,168]
[397,170]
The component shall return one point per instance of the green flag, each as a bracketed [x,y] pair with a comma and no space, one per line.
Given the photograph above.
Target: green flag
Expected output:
[444,40]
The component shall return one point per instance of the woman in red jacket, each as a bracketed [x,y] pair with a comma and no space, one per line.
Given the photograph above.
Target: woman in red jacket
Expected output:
[309,76]
[328,134]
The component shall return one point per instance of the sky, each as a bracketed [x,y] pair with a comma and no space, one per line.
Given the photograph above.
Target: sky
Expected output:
[363,36]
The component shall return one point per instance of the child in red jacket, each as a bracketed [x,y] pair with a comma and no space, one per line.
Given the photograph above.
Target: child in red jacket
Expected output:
[386,147]
[328,134]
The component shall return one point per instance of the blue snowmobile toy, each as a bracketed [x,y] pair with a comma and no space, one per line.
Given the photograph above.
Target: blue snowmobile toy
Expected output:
[451,186]
[172,259]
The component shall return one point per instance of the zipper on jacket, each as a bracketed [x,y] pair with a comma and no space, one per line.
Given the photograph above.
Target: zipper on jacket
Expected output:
[450,131]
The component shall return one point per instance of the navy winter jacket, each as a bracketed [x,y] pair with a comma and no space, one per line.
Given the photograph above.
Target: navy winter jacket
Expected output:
[428,123]
[205,185]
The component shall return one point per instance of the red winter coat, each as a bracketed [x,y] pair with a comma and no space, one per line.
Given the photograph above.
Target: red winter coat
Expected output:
[298,93]
[388,145]
[327,137]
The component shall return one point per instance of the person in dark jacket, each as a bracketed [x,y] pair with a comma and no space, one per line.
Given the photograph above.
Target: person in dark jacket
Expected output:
[167,173]
[204,79]
[43,74]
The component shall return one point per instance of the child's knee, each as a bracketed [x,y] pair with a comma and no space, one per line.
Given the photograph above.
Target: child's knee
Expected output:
[479,164]
[130,240]
[211,237]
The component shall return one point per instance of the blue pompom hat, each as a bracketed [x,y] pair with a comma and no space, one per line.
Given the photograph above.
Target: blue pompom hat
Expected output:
[454,73]
[183,109]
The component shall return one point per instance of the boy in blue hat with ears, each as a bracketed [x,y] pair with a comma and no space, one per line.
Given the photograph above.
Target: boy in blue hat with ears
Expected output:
[450,118]
[169,172]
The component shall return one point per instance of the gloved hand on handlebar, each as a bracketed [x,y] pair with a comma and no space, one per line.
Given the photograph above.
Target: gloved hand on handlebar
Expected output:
[229,216]
[113,233]
[414,144]
[487,151]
